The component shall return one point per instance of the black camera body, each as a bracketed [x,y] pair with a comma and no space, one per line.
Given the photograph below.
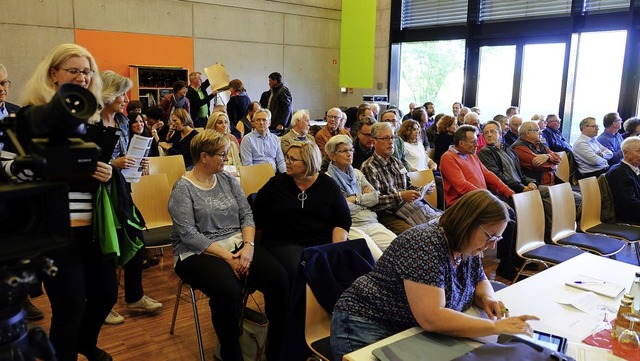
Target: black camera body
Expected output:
[34,216]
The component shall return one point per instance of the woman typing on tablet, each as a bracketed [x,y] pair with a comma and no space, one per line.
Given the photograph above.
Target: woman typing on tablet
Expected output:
[428,277]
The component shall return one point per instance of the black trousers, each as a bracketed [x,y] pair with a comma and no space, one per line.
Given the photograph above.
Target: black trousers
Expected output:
[133,290]
[216,279]
[81,295]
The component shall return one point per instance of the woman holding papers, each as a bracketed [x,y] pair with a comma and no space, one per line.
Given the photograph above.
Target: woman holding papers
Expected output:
[114,96]
[428,277]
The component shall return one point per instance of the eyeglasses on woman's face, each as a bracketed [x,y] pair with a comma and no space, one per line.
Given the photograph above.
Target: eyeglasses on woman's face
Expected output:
[290,159]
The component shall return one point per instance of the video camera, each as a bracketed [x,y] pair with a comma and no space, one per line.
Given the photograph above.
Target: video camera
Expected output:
[34,216]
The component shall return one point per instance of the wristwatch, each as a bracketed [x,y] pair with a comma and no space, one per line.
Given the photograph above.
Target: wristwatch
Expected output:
[251,243]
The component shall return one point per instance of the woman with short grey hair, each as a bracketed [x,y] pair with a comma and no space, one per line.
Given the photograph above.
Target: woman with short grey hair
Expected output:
[359,194]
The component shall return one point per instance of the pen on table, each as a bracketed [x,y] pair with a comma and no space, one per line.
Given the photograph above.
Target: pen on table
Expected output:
[589,282]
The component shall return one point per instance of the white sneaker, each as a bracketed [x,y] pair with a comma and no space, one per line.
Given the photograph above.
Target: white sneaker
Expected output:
[114,318]
[146,303]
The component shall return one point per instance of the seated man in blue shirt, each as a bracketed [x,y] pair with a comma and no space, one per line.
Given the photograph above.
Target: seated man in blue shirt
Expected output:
[553,135]
[610,138]
[261,146]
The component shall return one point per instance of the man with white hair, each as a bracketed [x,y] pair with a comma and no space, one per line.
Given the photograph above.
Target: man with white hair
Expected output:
[6,108]
[473,119]
[260,145]
[299,131]
[512,134]
[536,159]
[625,184]
[334,118]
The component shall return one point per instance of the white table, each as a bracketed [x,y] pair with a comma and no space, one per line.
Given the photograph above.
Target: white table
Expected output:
[536,295]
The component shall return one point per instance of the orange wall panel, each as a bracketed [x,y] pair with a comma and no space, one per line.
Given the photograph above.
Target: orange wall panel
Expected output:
[116,51]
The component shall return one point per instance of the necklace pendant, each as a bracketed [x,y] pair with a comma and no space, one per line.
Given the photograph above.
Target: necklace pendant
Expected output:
[301,197]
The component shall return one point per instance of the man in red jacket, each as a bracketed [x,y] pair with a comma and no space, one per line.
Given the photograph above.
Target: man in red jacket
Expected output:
[462,172]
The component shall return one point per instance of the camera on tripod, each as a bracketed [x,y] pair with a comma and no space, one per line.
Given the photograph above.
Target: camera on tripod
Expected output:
[34,215]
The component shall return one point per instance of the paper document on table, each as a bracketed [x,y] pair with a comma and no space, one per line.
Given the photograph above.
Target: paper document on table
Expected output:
[138,148]
[582,352]
[586,302]
[601,287]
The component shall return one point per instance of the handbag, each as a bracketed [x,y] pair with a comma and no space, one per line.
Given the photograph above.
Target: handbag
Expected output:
[254,327]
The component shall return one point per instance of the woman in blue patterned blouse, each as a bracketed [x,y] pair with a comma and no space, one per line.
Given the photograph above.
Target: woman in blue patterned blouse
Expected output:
[428,277]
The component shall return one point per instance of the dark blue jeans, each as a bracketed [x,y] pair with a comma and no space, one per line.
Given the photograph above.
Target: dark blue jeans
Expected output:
[350,333]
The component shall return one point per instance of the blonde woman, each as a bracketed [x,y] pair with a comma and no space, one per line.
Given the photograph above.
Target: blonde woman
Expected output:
[215,250]
[85,287]
[219,121]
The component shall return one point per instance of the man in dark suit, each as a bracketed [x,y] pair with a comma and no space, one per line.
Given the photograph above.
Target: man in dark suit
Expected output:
[625,184]
[6,108]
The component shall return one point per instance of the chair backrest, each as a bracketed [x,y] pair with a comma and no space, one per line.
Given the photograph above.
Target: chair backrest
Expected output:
[591,203]
[317,321]
[330,269]
[253,177]
[563,215]
[422,177]
[431,153]
[171,165]
[563,171]
[151,196]
[529,221]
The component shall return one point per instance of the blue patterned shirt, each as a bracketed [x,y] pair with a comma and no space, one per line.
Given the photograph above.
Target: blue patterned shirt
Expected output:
[421,255]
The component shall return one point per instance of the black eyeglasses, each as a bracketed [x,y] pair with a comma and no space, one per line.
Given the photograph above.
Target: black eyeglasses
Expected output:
[290,159]
[386,139]
[88,73]
[365,134]
[491,238]
[5,84]
[222,155]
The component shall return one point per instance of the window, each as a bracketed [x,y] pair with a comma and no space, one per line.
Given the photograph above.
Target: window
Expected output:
[598,76]
[541,79]
[591,6]
[495,10]
[495,80]
[432,71]
[423,13]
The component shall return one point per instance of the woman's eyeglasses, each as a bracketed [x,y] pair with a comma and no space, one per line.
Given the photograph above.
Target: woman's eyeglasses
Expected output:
[491,238]
[290,159]
[88,73]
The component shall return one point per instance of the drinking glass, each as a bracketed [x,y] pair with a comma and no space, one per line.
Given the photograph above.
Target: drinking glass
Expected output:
[629,337]
[601,334]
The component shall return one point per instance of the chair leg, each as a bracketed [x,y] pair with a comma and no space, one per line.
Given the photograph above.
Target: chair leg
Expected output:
[197,321]
[175,307]
[637,246]
[196,317]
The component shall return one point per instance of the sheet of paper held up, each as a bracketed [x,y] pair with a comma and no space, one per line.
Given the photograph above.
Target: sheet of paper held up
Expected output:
[218,76]
[138,148]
